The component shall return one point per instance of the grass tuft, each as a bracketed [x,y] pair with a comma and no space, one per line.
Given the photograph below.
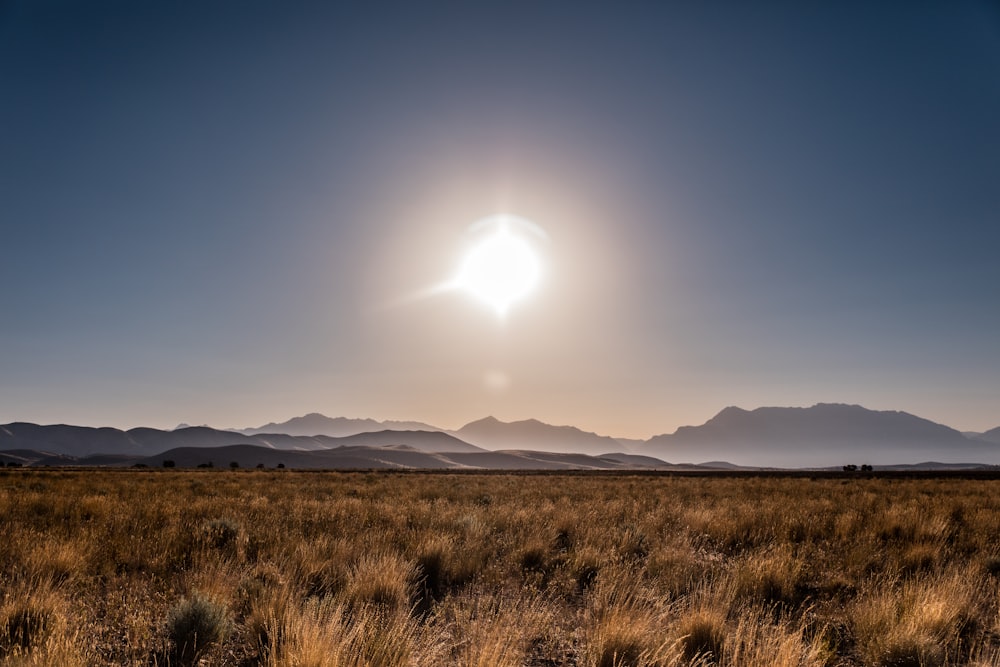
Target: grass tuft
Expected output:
[703,636]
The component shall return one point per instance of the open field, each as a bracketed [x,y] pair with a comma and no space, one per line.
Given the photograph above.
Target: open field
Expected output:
[301,569]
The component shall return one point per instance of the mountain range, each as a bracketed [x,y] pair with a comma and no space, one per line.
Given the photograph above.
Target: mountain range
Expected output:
[338,427]
[824,435]
[531,434]
[993,435]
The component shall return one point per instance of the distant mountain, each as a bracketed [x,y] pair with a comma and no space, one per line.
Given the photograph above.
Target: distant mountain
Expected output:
[338,427]
[82,441]
[822,435]
[993,435]
[534,435]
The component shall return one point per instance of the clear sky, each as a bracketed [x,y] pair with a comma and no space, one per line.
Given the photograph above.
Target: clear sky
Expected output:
[223,212]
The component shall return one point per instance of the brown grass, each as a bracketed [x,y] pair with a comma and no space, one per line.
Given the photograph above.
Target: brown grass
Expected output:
[392,569]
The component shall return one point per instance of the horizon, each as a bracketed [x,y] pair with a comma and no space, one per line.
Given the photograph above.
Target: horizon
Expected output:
[618,218]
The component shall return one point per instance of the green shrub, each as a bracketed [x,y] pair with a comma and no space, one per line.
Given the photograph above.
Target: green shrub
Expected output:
[195,623]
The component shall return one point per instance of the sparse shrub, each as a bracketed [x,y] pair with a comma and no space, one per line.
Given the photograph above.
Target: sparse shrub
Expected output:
[194,624]
[234,464]
[168,463]
[563,542]
[533,560]
[634,545]
[586,566]
[223,535]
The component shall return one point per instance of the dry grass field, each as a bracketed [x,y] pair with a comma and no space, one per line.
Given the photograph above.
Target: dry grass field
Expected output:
[310,569]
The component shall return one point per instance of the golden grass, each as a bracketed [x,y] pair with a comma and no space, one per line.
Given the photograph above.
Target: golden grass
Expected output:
[496,570]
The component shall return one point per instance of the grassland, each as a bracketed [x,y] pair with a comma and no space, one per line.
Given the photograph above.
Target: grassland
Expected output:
[303,569]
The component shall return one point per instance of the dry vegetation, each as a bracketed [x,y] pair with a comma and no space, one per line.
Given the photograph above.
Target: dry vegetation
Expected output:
[316,569]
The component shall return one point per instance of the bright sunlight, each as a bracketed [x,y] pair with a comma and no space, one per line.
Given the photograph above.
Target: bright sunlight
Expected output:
[501,269]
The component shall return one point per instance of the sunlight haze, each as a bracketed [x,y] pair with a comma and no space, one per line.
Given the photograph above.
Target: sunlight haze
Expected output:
[236,213]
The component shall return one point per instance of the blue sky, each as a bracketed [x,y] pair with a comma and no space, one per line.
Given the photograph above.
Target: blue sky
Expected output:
[215,212]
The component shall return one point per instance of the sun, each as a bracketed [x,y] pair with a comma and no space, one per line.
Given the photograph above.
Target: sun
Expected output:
[500,270]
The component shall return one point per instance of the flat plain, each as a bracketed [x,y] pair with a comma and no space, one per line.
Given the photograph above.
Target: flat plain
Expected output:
[284,568]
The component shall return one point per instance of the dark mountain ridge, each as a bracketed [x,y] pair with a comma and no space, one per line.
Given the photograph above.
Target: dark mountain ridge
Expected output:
[81,441]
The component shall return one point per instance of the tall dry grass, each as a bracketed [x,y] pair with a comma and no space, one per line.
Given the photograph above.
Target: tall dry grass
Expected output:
[299,569]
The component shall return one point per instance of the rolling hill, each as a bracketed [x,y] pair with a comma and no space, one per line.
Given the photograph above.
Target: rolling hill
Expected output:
[399,457]
[81,441]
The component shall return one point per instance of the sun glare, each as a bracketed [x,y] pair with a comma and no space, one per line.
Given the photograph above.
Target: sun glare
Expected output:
[500,270]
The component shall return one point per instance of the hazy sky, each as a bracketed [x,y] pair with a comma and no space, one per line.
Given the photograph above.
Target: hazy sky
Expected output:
[221,212]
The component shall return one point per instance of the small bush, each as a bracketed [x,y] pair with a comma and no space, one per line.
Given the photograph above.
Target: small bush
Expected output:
[533,560]
[195,623]
[586,567]
[222,534]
